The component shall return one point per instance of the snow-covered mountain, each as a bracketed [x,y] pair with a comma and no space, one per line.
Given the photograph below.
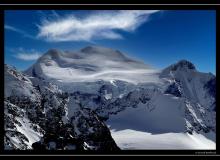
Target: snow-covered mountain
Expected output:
[89,65]
[96,87]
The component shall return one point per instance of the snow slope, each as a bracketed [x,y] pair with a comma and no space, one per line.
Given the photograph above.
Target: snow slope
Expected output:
[163,127]
[163,110]
[20,132]
[131,139]
[26,129]
[18,85]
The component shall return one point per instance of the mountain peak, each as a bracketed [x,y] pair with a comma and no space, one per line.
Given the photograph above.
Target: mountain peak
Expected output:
[103,51]
[109,54]
[185,64]
[181,65]
[93,48]
[91,63]
[54,53]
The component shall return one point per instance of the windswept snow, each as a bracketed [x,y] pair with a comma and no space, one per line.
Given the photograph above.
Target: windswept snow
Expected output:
[69,75]
[91,64]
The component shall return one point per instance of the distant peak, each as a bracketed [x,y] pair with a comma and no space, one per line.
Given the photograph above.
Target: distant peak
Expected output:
[87,48]
[185,64]
[53,53]
[181,65]
[103,51]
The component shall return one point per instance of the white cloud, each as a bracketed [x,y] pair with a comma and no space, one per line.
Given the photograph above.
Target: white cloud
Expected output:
[26,55]
[11,28]
[98,25]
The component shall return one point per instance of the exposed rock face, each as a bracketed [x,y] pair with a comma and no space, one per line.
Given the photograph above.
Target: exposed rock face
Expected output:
[174,89]
[42,124]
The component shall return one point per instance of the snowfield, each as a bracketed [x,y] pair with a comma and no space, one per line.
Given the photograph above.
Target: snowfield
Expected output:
[151,117]
[130,139]
[162,126]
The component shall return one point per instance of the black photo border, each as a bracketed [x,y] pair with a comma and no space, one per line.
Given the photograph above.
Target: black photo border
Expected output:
[106,7]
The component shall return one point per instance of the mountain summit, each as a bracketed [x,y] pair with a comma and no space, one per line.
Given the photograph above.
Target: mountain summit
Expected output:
[91,63]
[183,64]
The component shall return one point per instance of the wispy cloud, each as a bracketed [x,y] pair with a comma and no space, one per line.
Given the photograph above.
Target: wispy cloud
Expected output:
[14,29]
[26,55]
[98,25]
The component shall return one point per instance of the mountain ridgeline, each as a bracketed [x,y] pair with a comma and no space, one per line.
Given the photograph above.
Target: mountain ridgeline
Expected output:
[70,100]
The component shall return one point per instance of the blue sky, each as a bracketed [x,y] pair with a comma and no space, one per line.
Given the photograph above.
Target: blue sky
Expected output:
[158,38]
